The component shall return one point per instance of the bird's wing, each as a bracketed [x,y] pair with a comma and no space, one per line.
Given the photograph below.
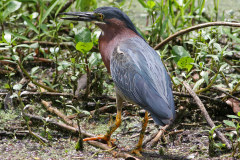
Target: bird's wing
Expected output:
[139,74]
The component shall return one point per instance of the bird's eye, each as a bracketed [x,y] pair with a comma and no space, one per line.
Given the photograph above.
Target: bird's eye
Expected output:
[100,16]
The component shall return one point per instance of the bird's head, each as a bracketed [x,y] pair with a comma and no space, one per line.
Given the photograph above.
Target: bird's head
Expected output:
[104,17]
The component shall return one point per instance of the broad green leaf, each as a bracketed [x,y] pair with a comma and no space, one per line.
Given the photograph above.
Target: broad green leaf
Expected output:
[220,145]
[48,11]
[7,38]
[34,15]
[84,47]
[198,83]
[34,70]
[223,66]
[73,60]
[151,4]
[215,57]
[12,6]
[204,75]
[95,59]
[233,116]
[218,47]
[34,45]
[17,86]
[64,64]
[30,24]
[229,123]
[73,78]
[179,52]
[7,86]
[238,114]
[177,80]
[185,62]
[83,35]
[15,57]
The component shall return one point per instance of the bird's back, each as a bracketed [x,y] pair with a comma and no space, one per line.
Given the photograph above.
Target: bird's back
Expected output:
[141,77]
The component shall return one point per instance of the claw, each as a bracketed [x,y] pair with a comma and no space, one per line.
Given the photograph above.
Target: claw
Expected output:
[107,139]
[137,151]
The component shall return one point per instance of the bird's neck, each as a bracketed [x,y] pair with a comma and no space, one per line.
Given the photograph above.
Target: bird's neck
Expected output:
[111,37]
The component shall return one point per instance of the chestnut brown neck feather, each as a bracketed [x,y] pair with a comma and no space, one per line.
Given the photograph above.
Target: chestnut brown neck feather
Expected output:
[112,35]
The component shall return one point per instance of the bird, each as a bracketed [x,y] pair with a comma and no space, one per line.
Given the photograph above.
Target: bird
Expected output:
[136,69]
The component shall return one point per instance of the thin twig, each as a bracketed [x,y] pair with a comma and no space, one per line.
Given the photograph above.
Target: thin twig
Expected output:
[218,89]
[158,136]
[213,100]
[164,42]
[205,114]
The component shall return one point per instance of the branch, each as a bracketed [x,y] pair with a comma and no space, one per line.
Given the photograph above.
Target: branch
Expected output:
[165,41]
[205,114]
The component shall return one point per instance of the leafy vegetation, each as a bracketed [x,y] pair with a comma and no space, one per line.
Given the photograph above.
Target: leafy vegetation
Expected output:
[55,56]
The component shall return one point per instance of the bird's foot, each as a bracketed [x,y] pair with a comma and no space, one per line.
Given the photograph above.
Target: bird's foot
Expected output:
[107,139]
[137,151]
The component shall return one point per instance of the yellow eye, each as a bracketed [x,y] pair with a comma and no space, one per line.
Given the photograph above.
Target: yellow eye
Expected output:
[100,16]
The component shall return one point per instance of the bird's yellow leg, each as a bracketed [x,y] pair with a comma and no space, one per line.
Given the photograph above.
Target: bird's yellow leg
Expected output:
[107,136]
[138,148]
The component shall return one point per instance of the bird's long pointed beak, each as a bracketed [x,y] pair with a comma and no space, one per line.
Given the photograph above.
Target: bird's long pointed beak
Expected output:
[80,16]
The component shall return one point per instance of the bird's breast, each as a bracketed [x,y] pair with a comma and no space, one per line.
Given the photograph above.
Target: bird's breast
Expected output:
[109,40]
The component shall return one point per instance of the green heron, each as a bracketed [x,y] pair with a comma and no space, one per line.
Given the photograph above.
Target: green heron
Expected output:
[136,69]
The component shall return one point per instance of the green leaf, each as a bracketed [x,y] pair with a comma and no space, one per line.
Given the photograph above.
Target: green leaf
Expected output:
[17,35]
[34,70]
[7,38]
[17,86]
[179,52]
[30,24]
[223,66]
[215,57]
[83,35]
[204,74]
[87,5]
[218,47]
[238,114]
[73,60]
[233,116]
[12,6]
[22,45]
[15,57]
[48,11]
[142,3]
[73,78]
[84,47]
[64,64]
[151,4]
[229,123]
[198,83]
[179,2]
[7,86]
[34,45]
[185,62]
[227,31]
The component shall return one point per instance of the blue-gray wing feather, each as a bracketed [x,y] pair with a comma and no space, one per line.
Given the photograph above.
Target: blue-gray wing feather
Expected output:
[139,74]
